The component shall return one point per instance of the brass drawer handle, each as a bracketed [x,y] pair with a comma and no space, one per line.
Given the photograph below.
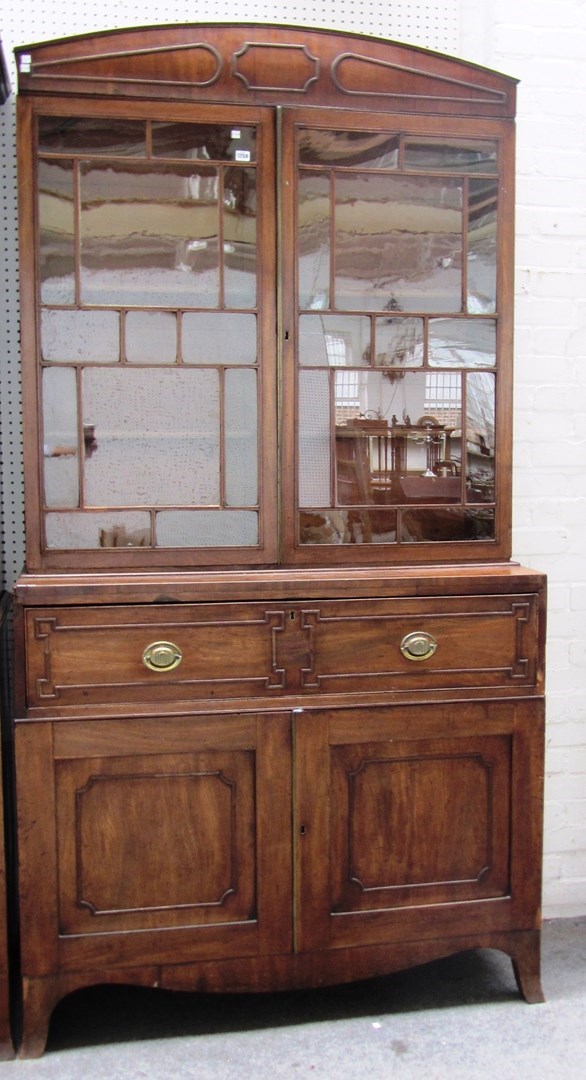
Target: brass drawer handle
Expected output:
[162,656]
[418,646]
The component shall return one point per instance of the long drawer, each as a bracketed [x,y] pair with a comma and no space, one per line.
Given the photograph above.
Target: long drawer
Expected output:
[150,653]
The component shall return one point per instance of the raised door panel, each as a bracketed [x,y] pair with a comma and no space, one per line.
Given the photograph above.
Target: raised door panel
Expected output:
[147,842]
[172,839]
[410,821]
[419,822]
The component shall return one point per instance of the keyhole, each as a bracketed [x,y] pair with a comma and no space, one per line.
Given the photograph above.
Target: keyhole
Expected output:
[303,829]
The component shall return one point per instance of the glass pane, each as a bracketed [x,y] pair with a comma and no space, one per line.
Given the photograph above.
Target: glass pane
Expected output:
[449,154]
[240,237]
[149,235]
[334,340]
[60,438]
[98,530]
[445,524]
[383,459]
[207,528]
[92,135]
[348,526]
[480,444]
[156,440]
[314,438]
[84,337]
[151,337]
[462,343]
[204,142]
[56,232]
[375,149]
[482,238]
[240,437]
[410,399]
[218,338]
[398,343]
[314,241]
[398,243]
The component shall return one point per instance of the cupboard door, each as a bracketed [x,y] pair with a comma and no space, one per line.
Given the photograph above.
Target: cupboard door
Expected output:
[410,820]
[155,336]
[398,337]
[172,839]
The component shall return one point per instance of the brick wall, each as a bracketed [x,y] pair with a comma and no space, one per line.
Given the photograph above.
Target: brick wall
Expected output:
[544,45]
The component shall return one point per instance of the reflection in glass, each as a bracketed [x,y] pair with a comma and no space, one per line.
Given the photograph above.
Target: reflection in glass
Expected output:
[219,338]
[240,437]
[334,340]
[398,242]
[240,237]
[80,336]
[398,343]
[206,528]
[396,440]
[203,142]
[151,337]
[156,442]
[56,232]
[327,526]
[447,524]
[462,342]
[407,401]
[482,240]
[375,149]
[149,234]
[314,241]
[92,135]
[449,154]
[105,529]
[60,438]
[480,436]
[314,438]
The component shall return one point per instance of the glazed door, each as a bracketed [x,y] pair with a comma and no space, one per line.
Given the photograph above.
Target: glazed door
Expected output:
[396,337]
[172,840]
[154,287]
[175,351]
[404,821]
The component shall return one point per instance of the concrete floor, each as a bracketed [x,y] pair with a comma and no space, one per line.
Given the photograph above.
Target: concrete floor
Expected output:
[460,1018]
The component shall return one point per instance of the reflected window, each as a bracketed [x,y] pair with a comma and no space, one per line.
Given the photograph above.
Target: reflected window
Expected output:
[443,397]
[334,340]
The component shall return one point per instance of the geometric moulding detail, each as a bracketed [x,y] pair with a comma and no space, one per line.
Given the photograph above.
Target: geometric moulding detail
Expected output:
[201,65]
[367,76]
[285,67]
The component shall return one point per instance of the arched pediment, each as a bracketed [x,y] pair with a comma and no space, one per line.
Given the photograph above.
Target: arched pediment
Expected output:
[251,63]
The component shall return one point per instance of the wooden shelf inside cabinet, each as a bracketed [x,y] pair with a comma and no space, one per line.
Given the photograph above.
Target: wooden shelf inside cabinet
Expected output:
[281,679]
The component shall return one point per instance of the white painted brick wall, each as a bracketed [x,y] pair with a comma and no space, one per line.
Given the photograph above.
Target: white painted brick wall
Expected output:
[544,45]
